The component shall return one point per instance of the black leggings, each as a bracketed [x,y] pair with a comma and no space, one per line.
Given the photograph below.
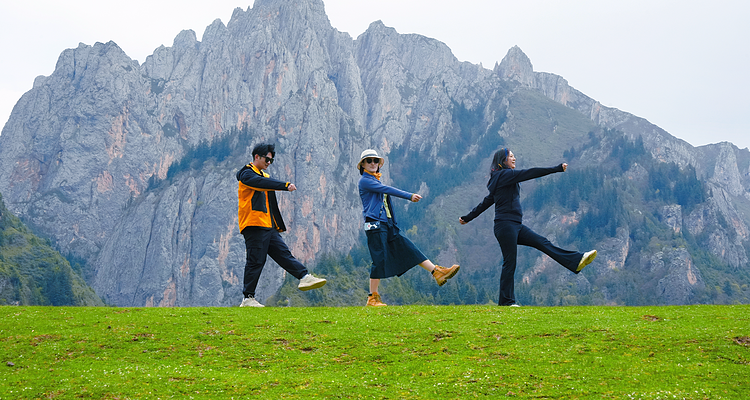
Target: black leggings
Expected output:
[509,235]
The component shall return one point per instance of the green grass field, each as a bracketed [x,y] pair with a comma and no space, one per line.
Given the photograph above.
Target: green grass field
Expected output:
[407,352]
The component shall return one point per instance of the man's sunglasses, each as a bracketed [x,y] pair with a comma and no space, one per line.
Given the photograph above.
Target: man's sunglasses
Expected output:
[268,159]
[372,160]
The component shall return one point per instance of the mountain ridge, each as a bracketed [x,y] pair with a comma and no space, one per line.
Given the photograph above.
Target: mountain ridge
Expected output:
[83,149]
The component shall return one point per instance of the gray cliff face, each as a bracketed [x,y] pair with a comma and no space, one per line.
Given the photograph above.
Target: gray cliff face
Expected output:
[83,144]
[409,82]
[682,278]
[187,247]
[676,276]
[81,147]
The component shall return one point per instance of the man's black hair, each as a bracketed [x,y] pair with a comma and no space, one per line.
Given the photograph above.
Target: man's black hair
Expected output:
[263,149]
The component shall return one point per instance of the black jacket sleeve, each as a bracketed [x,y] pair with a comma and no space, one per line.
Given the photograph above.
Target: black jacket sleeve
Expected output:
[507,177]
[512,176]
[480,208]
[250,178]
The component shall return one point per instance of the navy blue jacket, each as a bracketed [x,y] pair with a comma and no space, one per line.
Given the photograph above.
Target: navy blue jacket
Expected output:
[505,192]
[371,191]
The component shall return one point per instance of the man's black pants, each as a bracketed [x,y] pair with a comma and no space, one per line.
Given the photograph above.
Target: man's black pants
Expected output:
[509,235]
[262,242]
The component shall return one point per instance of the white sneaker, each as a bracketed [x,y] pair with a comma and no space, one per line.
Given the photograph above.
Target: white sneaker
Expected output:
[309,282]
[515,305]
[250,302]
[587,258]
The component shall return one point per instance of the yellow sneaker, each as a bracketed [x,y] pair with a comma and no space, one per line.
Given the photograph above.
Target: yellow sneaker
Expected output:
[442,275]
[373,300]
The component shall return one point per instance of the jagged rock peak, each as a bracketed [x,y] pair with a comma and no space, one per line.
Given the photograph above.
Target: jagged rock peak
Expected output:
[379,29]
[377,32]
[378,25]
[110,49]
[281,18]
[516,66]
[420,54]
[216,29]
[72,64]
[313,10]
[299,4]
[185,38]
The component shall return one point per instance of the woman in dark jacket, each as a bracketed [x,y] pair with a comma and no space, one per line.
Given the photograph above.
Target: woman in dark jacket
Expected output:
[392,254]
[509,230]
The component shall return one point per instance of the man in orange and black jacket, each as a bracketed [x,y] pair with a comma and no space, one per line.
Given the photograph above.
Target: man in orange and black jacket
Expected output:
[260,223]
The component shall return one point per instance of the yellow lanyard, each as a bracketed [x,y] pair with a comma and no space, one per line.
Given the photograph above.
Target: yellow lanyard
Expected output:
[385,204]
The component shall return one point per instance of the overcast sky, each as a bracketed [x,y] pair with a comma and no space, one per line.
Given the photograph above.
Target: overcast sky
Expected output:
[682,65]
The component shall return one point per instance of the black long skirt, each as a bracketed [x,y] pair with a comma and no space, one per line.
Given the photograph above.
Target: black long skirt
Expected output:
[392,254]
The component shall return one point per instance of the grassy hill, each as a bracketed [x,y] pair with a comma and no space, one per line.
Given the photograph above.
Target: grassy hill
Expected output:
[33,273]
[411,352]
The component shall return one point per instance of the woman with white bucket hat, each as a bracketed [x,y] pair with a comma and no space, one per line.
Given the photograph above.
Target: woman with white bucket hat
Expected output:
[392,253]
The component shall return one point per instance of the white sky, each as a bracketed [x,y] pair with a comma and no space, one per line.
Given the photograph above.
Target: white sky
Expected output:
[681,64]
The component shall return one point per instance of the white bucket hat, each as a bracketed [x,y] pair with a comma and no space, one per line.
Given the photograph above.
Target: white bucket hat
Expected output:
[369,153]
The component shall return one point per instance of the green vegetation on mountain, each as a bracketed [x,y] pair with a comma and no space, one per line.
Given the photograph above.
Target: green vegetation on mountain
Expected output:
[614,195]
[231,145]
[410,167]
[33,273]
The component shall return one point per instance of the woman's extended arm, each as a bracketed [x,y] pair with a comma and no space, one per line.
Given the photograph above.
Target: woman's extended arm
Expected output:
[507,177]
[480,208]
[374,185]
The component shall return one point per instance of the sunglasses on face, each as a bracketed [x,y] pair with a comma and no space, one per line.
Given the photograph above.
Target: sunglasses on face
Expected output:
[372,160]
[268,159]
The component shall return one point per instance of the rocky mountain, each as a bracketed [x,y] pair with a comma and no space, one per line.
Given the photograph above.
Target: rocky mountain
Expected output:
[129,167]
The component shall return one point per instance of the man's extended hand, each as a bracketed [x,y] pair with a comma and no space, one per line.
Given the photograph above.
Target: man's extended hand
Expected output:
[291,187]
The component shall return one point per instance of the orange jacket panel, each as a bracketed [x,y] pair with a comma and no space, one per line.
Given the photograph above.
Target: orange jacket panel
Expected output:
[256,196]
